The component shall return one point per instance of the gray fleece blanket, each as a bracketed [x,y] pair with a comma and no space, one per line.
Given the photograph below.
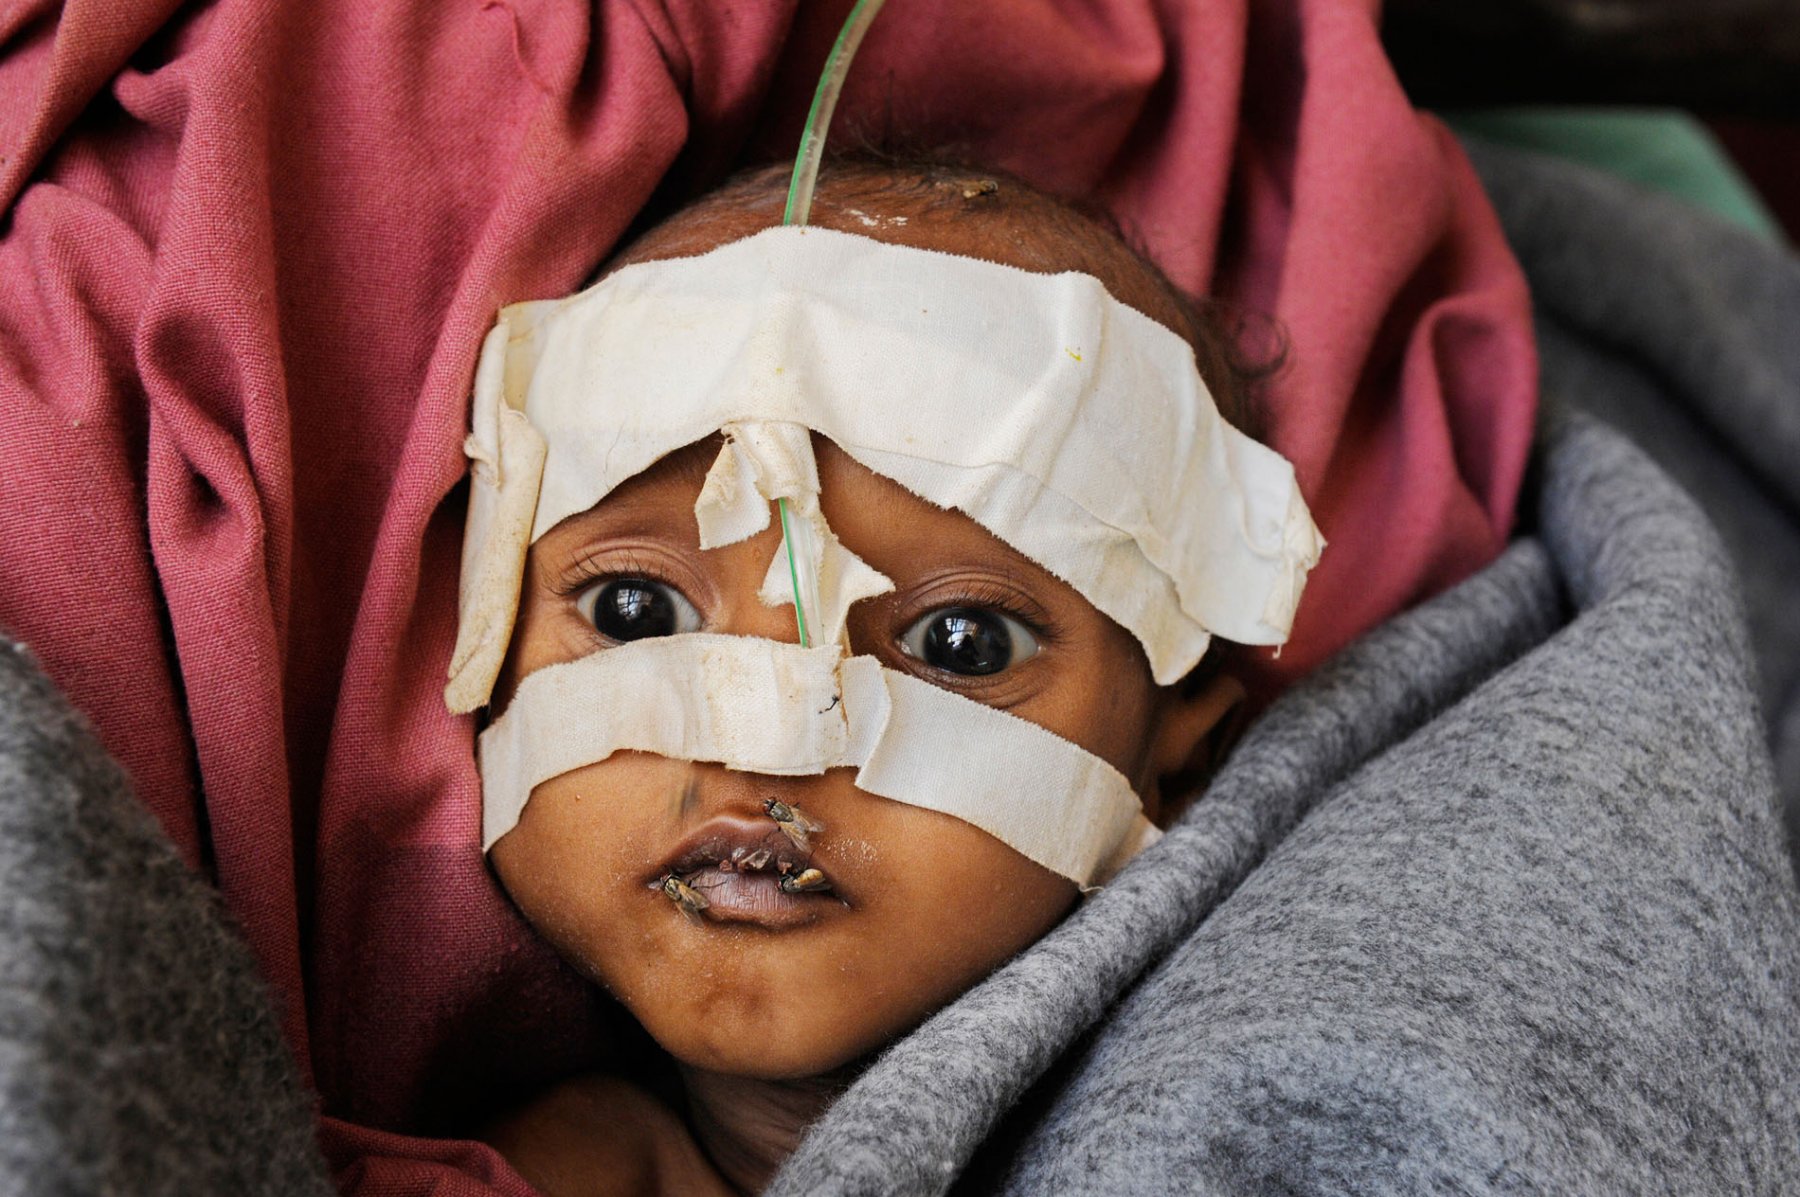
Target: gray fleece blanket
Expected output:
[1684,333]
[1495,903]
[139,1050]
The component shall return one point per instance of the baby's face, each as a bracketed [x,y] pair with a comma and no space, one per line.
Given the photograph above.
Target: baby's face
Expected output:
[916,905]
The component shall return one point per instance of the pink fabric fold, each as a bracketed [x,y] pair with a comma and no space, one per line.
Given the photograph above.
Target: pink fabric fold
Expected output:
[247,254]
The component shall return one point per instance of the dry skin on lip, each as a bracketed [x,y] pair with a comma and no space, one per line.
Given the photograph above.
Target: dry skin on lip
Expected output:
[688,888]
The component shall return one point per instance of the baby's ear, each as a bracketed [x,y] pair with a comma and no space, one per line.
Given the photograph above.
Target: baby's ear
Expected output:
[1197,721]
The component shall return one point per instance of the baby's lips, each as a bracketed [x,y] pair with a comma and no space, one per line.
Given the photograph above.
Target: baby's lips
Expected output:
[744,844]
[733,870]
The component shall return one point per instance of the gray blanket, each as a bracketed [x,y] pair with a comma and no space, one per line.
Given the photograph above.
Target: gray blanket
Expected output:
[139,1049]
[1489,906]
[1684,333]
[1496,902]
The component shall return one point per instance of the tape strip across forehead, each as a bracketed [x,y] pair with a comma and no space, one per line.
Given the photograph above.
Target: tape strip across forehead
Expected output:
[763,706]
[1070,425]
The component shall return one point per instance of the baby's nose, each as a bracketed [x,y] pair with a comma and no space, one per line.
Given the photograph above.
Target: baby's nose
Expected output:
[754,618]
[741,568]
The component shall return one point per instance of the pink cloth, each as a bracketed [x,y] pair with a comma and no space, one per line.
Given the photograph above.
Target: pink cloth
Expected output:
[247,254]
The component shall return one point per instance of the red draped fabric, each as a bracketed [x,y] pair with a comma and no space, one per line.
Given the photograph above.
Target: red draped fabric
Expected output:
[248,250]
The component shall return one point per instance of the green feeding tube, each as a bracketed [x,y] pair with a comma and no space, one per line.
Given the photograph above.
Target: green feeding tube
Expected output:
[818,117]
[800,193]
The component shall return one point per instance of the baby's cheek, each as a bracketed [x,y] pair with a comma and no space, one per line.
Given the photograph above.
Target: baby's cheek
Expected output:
[580,852]
[956,902]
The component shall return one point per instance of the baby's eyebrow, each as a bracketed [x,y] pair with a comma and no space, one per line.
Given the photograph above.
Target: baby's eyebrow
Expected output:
[692,465]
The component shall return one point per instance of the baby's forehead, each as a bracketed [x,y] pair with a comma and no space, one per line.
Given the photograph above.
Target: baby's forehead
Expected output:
[973,214]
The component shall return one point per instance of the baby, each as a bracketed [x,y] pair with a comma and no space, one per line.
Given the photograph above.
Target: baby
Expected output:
[841,598]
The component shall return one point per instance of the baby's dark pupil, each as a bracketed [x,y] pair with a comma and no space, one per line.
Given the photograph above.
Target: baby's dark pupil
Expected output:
[968,641]
[633,609]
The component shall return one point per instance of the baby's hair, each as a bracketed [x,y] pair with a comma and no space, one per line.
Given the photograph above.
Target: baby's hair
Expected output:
[939,185]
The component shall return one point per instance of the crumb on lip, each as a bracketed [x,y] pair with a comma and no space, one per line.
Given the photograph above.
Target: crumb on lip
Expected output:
[708,860]
[732,855]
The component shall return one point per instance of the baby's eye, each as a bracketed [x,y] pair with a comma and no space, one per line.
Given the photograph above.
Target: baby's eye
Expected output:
[637,609]
[972,641]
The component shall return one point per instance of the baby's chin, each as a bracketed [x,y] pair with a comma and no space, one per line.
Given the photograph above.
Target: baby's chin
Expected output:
[787,1004]
[795,1037]
[778,1063]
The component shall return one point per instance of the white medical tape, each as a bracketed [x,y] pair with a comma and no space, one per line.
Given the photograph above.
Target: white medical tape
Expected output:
[761,462]
[763,706]
[1041,795]
[1070,425]
[506,463]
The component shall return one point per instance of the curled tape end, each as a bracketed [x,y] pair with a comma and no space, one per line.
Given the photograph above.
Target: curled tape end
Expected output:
[1302,545]
[475,664]
[481,459]
[466,693]
[496,541]
[731,506]
[1141,836]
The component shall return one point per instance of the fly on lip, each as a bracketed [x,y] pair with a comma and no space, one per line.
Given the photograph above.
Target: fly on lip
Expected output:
[794,822]
[734,870]
[737,856]
[793,876]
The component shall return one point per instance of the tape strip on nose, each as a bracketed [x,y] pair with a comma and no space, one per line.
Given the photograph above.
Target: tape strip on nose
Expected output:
[763,461]
[730,699]
[762,706]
